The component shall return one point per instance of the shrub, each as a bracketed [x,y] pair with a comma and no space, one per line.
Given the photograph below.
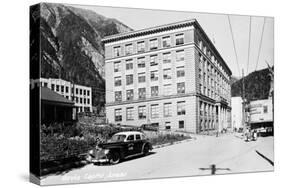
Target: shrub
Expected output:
[167,138]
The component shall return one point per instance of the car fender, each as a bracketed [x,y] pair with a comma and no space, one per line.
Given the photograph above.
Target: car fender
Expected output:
[149,146]
[118,149]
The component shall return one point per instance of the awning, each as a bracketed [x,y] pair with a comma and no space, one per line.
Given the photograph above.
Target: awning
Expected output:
[51,97]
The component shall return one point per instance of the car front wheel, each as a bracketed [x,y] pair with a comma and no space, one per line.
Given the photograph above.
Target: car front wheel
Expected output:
[114,158]
[146,150]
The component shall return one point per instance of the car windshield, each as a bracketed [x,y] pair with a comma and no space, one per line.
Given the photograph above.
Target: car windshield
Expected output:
[118,138]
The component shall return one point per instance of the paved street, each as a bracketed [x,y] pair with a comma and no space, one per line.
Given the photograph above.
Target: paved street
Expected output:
[229,154]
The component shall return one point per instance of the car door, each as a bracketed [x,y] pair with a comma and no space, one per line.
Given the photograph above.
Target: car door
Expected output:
[131,144]
[138,143]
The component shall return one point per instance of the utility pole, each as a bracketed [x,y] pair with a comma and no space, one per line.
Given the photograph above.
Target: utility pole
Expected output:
[243,102]
[271,90]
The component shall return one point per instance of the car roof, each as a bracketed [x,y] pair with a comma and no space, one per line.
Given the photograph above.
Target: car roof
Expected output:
[128,133]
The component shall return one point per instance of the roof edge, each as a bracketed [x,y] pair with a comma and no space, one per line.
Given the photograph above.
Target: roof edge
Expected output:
[146,31]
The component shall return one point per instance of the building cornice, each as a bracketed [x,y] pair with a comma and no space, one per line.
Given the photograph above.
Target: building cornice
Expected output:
[148,31]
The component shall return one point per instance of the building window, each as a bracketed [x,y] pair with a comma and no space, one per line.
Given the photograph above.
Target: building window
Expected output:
[200,75]
[142,93]
[80,91]
[167,57]
[88,93]
[153,60]
[53,87]
[141,62]
[129,64]
[130,113]
[117,51]
[130,94]
[181,88]
[181,124]
[129,79]
[180,55]
[179,39]
[117,81]
[81,100]
[66,89]
[209,54]
[166,41]
[84,92]
[201,88]
[76,91]
[153,44]
[204,50]
[181,108]
[154,91]
[265,109]
[167,74]
[142,112]
[167,109]
[45,84]
[118,96]
[154,111]
[154,75]
[201,109]
[200,44]
[141,46]
[129,49]
[180,72]
[88,100]
[84,101]
[57,88]
[118,115]
[141,77]
[168,125]
[117,66]
[167,89]
[204,77]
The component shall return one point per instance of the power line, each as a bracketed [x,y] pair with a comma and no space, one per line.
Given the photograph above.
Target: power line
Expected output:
[260,44]
[233,44]
[249,43]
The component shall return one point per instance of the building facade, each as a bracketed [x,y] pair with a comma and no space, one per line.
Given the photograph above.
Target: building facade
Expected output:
[171,76]
[80,95]
[261,112]
[237,112]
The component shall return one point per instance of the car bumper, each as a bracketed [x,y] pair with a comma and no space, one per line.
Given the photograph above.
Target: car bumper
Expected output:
[94,160]
[100,160]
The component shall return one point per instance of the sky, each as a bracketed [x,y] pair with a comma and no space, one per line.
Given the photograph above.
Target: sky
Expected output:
[217,28]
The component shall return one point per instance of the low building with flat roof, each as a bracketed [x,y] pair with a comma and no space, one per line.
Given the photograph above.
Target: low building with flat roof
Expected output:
[79,94]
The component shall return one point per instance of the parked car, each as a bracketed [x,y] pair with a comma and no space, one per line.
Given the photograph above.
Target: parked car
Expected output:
[122,145]
[150,127]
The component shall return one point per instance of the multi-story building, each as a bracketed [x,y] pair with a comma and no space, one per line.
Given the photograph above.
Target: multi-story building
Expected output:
[80,95]
[261,113]
[171,76]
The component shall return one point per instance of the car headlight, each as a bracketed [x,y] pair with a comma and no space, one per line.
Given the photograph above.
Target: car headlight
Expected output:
[106,151]
[91,152]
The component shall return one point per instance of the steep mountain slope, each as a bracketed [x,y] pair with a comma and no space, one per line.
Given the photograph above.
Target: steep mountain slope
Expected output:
[257,85]
[71,45]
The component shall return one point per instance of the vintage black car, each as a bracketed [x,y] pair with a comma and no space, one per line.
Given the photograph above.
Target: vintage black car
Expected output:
[122,145]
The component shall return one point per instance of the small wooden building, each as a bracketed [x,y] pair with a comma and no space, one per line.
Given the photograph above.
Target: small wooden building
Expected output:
[55,108]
